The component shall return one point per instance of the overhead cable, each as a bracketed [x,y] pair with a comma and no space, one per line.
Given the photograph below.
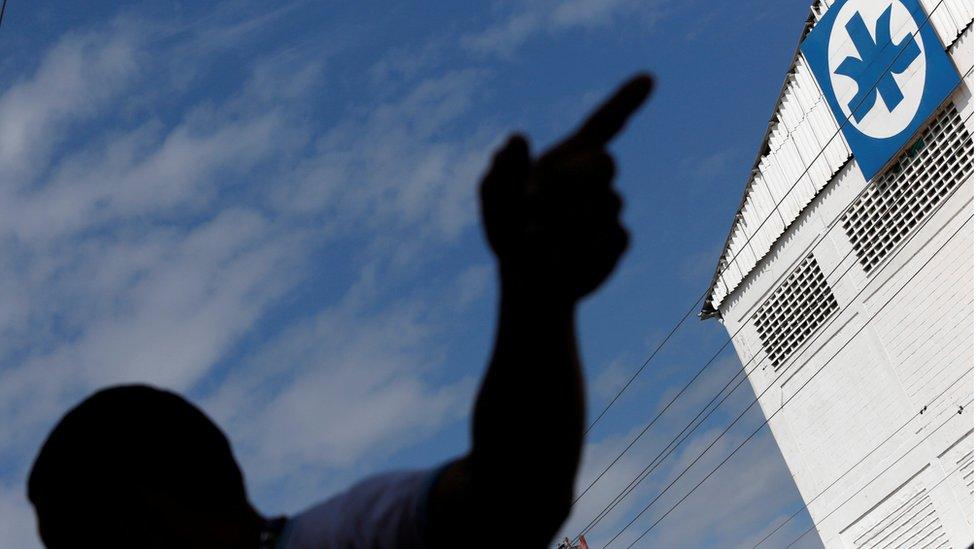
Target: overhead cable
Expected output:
[786,272]
[781,408]
[704,295]
[883,471]
[921,413]
[668,449]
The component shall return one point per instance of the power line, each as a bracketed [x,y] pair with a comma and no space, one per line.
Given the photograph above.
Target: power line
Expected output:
[883,471]
[688,384]
[626,491]
[764,423]
[782,407]
[801,256]
[654,462]
[704,295]
[639,370]
[807,504]
[3,9]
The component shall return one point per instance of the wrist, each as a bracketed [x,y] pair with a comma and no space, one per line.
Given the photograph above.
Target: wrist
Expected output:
[538,291]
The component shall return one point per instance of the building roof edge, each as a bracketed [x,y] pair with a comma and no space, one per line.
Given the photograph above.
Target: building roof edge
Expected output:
[709,310]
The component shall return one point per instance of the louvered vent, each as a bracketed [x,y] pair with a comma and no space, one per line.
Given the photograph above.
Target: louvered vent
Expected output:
[914,523]
[796,309]
[965,466]
[932,168]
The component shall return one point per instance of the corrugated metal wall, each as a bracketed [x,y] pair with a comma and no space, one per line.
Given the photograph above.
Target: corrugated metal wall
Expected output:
[803,135]
[948,19]
[804,149]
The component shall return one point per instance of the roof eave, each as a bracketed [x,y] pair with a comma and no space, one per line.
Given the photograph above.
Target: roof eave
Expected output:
[708,309]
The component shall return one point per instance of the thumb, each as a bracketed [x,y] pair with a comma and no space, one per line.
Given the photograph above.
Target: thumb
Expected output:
[503,193]
[508,173]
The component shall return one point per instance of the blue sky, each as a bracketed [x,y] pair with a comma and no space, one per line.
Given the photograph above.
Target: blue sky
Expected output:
[271,208]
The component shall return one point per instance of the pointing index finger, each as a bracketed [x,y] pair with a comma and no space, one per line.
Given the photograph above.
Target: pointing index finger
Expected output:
[611,116]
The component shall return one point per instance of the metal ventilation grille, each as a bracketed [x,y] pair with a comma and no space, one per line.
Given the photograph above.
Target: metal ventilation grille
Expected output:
[965,466]
[796,309]
[914,523]
[928,171]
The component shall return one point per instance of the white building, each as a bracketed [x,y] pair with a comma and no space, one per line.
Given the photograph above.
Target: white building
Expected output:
[850,302]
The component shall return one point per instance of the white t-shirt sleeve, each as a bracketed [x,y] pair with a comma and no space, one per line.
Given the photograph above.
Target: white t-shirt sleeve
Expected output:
[387,511]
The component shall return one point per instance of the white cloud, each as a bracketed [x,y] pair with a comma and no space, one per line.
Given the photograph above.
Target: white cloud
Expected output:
[340,391]
[146,249]
[17,525]
[471,284]
[553,16]
[139,174]
[751,489]
[733,503]
[593,13]
[143,246]
[122,266]
[178,306]
[81,74]
[505,37]
[713,166]
[397,162]
[610,378]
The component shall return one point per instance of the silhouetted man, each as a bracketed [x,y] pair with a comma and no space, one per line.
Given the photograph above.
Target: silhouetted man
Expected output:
[134,466]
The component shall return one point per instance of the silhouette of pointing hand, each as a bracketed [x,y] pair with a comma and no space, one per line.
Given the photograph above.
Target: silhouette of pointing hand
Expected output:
[553,222]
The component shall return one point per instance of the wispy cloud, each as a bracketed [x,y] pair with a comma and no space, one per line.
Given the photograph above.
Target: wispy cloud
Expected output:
[17,525]
[734,502]
[340,391]
[145,249]
[169,216]
[522,23]
[77,77]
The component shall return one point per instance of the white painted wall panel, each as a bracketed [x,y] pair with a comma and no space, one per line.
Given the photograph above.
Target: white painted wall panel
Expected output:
[842,412]
[910,350]
[927,330]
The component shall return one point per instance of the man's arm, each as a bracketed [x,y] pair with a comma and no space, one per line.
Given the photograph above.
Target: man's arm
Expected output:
[553,223]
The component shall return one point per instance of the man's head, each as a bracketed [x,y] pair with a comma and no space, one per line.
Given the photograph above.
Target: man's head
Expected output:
[134,466]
